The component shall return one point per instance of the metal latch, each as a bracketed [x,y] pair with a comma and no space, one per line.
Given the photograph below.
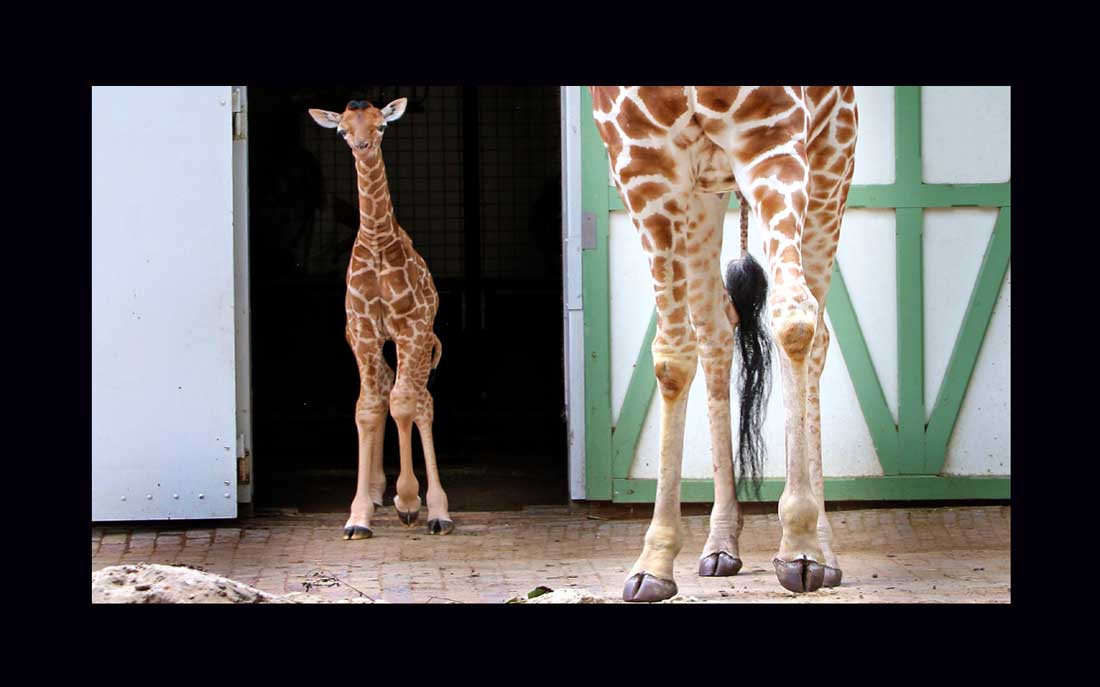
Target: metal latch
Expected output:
[588,231]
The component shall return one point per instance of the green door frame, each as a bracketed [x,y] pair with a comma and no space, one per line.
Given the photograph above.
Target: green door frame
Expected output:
[911,451]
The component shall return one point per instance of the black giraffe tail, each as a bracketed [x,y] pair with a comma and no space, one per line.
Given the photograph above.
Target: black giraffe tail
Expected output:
[747,285]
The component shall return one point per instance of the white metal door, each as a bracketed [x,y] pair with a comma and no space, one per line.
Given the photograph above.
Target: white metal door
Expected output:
[164,424]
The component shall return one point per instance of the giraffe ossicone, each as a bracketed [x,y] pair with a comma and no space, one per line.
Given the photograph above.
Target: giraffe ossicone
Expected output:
[390,297]
[788,152]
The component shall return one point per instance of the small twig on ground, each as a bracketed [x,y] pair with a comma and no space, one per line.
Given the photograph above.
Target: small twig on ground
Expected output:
[326,579]
[441,598]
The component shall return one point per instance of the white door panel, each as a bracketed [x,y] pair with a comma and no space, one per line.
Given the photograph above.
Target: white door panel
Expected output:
[164,430]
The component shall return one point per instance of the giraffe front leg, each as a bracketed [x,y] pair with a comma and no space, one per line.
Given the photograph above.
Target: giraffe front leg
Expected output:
[439,519]
[403,410]
[370,423]
[377,486]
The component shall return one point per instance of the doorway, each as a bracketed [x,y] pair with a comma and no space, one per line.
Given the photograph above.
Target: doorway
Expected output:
[475,178]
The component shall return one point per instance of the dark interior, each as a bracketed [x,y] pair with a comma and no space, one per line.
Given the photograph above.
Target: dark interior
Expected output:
[475,178]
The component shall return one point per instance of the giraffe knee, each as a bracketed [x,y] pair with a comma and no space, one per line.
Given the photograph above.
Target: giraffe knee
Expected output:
[403,402]
[796,327]
[369,408]
[674,374]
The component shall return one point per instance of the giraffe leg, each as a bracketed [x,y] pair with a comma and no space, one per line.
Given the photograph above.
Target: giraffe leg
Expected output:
[713,319]
[675,360]
[412,368]
[833,573]
[828,197]
[774,182]
[439,520]
[377,482]
[370,418]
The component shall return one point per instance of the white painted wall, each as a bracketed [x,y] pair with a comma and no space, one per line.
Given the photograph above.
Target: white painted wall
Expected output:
[954,241]
[164,428]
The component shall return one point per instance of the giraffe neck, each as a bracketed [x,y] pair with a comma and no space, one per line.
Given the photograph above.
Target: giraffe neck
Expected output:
[377,227]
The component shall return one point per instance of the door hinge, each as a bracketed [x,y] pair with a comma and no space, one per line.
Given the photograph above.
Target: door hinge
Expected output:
[239,121]
[244,463]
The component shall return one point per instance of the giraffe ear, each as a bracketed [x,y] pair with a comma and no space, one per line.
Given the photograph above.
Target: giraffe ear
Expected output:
[329,120]
[394,110]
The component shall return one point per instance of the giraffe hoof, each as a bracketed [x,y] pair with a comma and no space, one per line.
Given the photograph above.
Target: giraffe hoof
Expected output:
[645,587]
[440,526]
[719,564]
[832,577]
[799,576]
[409,519]
[357,532]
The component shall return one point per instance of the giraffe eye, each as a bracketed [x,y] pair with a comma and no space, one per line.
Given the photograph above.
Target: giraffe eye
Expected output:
[382,128]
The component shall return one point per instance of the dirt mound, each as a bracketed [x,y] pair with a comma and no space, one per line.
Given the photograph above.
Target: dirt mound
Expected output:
[147,583]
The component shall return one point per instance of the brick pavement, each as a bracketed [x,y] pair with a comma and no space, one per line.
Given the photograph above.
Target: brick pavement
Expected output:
[888,555]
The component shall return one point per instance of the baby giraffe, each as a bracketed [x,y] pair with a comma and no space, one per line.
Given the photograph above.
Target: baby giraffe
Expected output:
[390,297]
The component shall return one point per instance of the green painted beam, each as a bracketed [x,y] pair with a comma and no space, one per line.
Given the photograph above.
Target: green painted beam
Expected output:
[872,400]
[597,311]
[930,196]
[907,137]
[639,395]
[895,196]
[897,488]
[960,368]
[910,333]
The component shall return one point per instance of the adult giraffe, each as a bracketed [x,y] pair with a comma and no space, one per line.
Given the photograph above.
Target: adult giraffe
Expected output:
[390,297]
[788,152]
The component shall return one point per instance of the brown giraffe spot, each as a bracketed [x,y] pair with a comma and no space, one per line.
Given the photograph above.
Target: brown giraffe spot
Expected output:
[677,270]
[660,229]
[773,246]
[673,207]
[764,102]
[403,304]
[798,203]
[634,123]
[770,205]
[611,137]
[713,126]
[823,152]
[603,97]
[816,93]
[659,267]
[717,98]
[760,140]
[843,134]
[649,161]
[665,103]
[788,227]
[679,291]
[643,193]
